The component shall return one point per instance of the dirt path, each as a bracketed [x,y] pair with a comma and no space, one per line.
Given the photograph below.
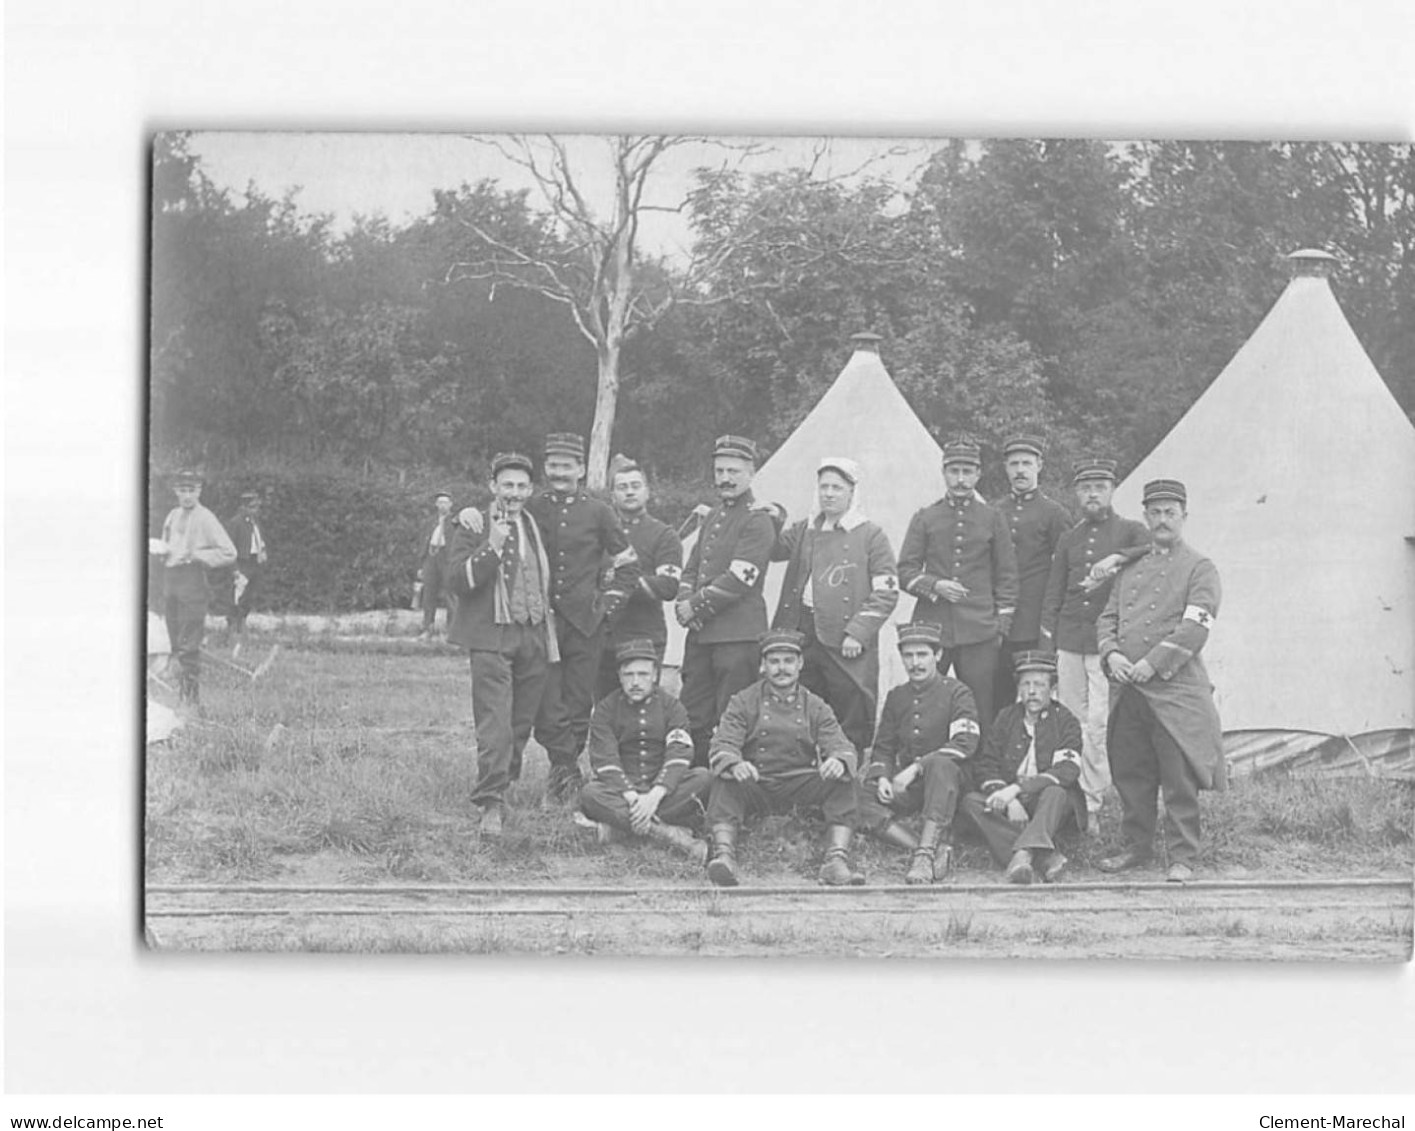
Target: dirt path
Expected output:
[1362,920]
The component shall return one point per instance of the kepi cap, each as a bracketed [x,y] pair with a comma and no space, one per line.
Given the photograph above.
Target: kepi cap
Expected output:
[963,450]
[640,648]
[737,447]
[1092,467]
[1023,442]
[565,444]
[782,639]
[1034,661]
[921,633]
[186,478]
[1165,491]
[503,460]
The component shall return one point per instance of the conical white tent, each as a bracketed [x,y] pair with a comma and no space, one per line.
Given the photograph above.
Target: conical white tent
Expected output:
[862,416]
[1300,469]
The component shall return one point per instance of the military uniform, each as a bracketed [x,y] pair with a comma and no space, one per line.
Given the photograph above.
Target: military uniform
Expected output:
[969,542]
[1043,758]
[634,747]
[504,619]
[1069,614]
[839,581]
[1037,524]
[1164,734]
[660,559]
[580,533]
[195,542]
[723,580]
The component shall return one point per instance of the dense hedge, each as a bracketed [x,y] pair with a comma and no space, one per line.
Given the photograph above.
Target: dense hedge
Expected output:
[344,542]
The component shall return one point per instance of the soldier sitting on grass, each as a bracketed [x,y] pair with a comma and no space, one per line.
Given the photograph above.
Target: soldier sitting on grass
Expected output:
[780,747]
[643,782]
[1030,769]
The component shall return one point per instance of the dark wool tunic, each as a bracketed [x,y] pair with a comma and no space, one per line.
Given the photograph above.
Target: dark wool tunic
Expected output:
[580,532]
[726,571]
[939,716]
[778,735]
[969,542]
[1058,754]
[640,745]
[1069,613]
[1037,524]
[660,554]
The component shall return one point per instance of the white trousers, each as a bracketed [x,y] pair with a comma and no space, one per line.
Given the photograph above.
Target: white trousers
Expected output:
[1083,689]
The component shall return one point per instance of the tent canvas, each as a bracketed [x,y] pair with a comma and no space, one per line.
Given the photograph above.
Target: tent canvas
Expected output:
[862,416]
[1300,469]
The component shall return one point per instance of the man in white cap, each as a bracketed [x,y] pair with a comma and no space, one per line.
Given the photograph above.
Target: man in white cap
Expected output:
[1165,735]
[840,587]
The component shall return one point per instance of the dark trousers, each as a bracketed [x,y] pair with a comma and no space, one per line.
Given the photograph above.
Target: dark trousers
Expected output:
[507,685]
[1145,761]
[731,801]
[1004,686]
[822,674]
[607,681]
[712,674]
[563,723]
[934,793]
[683,805]
[436,592]
[186,597]
[975,665]
[1049,810]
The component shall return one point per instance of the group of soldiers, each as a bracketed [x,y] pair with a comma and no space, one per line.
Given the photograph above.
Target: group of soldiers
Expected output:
[195,545]
[1044,658]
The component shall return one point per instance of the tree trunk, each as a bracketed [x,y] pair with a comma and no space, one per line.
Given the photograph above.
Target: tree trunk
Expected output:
[605,405]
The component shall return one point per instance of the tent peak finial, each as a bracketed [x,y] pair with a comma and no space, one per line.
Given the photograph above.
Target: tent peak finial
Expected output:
[1312,261]
[866,342]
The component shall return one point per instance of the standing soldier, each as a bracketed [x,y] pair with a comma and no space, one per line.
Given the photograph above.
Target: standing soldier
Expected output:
[249,541]
[581,533]
[1037,524]
[928,733]
[193,541]
[720,598]
[779,747]
[1164,727]
[660,554]
[432,569]
[644,782]
[504,618]
[957,559]
[1087,558]
[1029,771]
[840,587]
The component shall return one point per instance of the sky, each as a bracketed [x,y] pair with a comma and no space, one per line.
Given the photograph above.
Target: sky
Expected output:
[353,174]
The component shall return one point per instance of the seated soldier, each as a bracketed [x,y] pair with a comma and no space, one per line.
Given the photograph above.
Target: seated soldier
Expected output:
[1030,770]
[779,747]
[927,732]
[641,752]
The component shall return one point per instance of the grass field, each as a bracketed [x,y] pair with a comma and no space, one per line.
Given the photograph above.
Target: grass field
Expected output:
[352,766]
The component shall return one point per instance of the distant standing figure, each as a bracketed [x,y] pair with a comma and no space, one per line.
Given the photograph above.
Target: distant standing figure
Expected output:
[660,554]
[432,569]
[958,560]
[246,581]
[1086,561]
[1164,735]
[193,541]
[1037,524]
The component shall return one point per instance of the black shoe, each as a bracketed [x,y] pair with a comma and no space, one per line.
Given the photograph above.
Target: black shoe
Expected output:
[1124,862]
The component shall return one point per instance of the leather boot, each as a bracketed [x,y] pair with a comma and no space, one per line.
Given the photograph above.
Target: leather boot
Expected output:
[921,868]
[679,839]
[836,871]
[722,870]
[896,834]
[1019,869]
